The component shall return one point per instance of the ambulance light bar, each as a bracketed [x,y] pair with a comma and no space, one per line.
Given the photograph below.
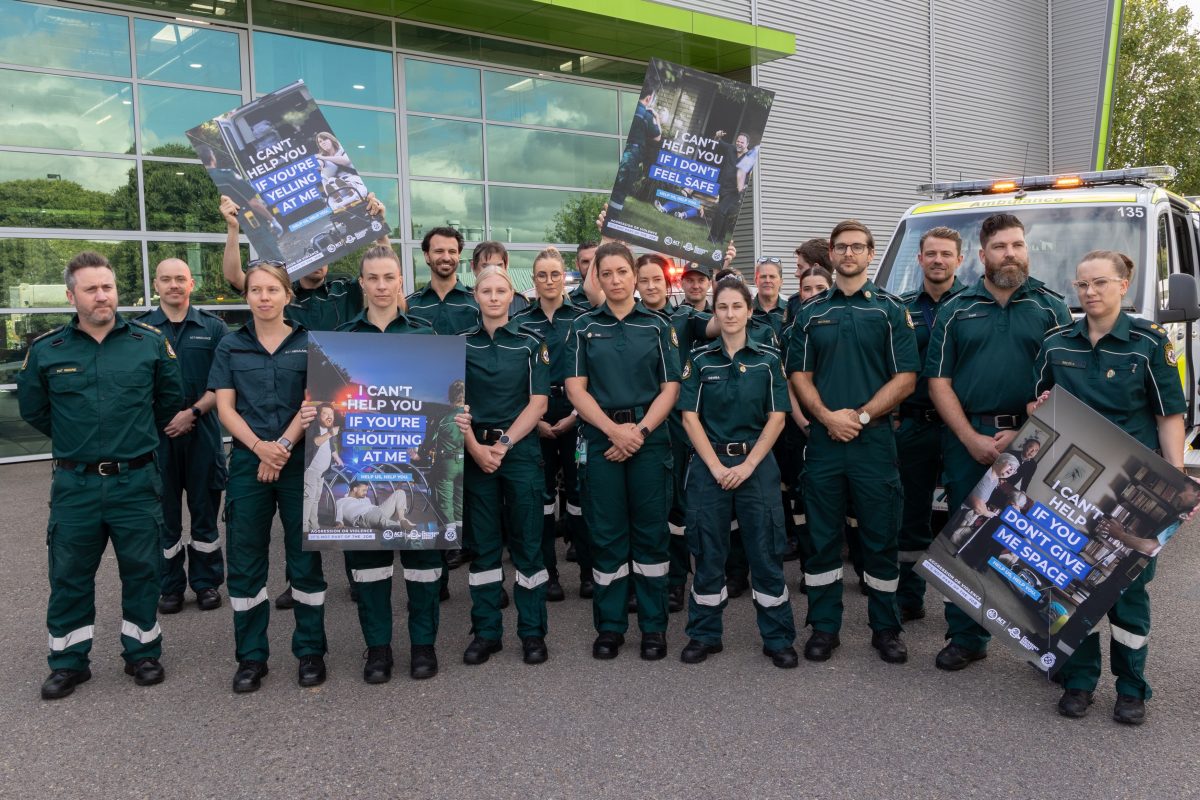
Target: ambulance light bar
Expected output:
[1069,180]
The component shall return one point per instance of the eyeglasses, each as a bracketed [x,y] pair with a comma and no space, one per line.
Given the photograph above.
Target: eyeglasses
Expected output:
[1099,284]
[266,262]
[768,260]
[858,248]
[547,277]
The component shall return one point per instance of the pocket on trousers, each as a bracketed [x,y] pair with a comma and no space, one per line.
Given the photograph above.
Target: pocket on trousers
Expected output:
[778,532]
[691,529]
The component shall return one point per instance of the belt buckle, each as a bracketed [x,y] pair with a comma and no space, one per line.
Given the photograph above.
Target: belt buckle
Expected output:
[1000,420]
[735,449]
[623,417]
[104,466]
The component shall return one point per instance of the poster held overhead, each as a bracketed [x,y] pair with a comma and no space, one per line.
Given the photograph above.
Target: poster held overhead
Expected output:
[688,163]
[300,200]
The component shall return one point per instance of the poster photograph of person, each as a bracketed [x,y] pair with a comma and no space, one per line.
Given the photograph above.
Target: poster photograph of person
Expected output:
[689,161]
[383,460]
[1056,529]
[302,202]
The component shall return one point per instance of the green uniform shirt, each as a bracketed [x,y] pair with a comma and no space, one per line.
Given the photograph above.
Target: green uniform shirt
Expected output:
[330,305]
[270,386]
[195,341]
[852,345]
[691,328]
[553,332]
[626,361]
[579,298]
[775,317]
[100,401]
[922,310]
[733,396]
[1129,376]
[457,313]
[503,371]
[402,323]
[988,350]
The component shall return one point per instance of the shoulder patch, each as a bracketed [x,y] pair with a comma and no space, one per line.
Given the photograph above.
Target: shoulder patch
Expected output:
[908,319]
[544,354]
[674,336]
[687,370]
[1169,354]
[170,350]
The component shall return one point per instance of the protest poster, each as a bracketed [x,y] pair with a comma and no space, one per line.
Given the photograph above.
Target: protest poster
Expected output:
[689,160]
[384,459]
[301,201]
[1056,529]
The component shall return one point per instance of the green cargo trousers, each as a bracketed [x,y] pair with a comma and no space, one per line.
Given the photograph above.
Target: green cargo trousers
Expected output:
[372,570]
[193,463]
[919,444]
[681,448]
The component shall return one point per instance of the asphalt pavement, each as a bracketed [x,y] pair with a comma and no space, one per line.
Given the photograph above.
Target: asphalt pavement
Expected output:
[735,726]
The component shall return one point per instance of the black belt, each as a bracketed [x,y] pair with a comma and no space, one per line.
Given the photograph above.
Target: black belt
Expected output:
[1001,422]
[106,468]
[488,435]
[622,416]
[732,448]
[558,390]
[923,414]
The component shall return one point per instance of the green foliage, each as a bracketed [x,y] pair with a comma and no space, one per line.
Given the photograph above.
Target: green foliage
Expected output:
[575,222]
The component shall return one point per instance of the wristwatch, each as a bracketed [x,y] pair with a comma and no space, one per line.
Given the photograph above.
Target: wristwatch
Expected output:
[286,442]
[863,416]
[505,441]
[644,431]
[197,413]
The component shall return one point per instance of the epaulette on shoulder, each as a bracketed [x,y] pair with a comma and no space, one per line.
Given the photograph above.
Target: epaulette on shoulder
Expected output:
[532,331]
[706,347]
[1044,289]
[204,312]
[1149,325]
[145,325]
[1057,329]
[884,293]
[815,298]
[48,334]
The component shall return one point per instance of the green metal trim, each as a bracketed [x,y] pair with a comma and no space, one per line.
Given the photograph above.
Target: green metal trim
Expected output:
[1110,76]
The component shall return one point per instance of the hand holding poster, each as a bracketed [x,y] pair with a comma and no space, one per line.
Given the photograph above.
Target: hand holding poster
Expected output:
[1057,529]
[300,200]
[688,162]
[383,460]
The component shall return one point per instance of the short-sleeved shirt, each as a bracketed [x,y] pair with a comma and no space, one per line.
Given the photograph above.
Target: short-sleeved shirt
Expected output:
[922,310]
[195,341]
[853,344]
[456,313]
[627,360]
[1129,377]
[503,371]
[733,396]
[553,332]
[774,317]
[269,386]
[401,323]
[325,308]
[100,401]
[988,349]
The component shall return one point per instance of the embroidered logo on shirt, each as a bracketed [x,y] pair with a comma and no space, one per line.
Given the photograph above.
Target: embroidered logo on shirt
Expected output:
[1170,354]
[687,370]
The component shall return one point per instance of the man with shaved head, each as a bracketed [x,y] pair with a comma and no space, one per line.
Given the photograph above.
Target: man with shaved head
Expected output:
[190,456]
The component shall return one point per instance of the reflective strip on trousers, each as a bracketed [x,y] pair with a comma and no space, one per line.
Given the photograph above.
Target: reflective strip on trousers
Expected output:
[173,550]
[372,575]
[606,578]
[548,509]
[574,511]
[677,530]
[823,578]
[733,526]
[711,599]
[205,547]
[423,575]
[1128,638]
[800,519]
[770,601]
[482,578]
[309,598]
[134,632]
[652,570]
[532,581]
[247,603]
[73,638]
[909,556]
[879,584]
[852,522]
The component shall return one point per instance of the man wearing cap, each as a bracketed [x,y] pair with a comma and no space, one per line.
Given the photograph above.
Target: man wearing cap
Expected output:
[695,282]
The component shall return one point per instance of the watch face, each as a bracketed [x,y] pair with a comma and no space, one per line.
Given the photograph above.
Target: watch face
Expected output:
[864,418]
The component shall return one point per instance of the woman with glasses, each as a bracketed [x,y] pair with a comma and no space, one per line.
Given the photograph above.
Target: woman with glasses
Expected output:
[1125,369]
[259,374]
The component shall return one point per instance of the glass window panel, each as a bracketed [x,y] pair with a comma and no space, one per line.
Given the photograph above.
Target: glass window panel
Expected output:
[17,438]
[43,110]
[181,197]
[334,24]
[555,104]
[64,38]
[521,155]
[441,89]
[368,137]
[223,10]
[525,215]
[31,270]
[442,148]
[184,54]
[38,191]
[332,71]
[167,115]
[629,101]
[388,192]
[204,260]
[17,332]
[458,205]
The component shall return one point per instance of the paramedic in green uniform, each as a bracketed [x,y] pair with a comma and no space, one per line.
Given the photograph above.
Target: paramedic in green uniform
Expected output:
[585,255]
[444,446]
[508,388]
[919,430]
[444,303]
[984,341]
[1125,369]
[371,570]
[259,375]
[623,380]
[101,387]
[852,359]
[734,400]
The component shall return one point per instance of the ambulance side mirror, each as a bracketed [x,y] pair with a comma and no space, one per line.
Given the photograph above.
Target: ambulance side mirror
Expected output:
[1183,300]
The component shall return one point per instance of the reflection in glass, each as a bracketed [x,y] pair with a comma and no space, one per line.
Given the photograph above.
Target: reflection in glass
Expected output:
[458,205]
[337,72]
[167,114]
[183,54]
[537,101]
[40,191]
[369,137]
[388,192]
[223,10]
[181,197]
[17,438]
[330,23]
[524,215]
[204,260]
[17,332]
[521,155]
[441,89]
[442,148]
[65,113]
[64,38]
[629,101]
[31,270]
